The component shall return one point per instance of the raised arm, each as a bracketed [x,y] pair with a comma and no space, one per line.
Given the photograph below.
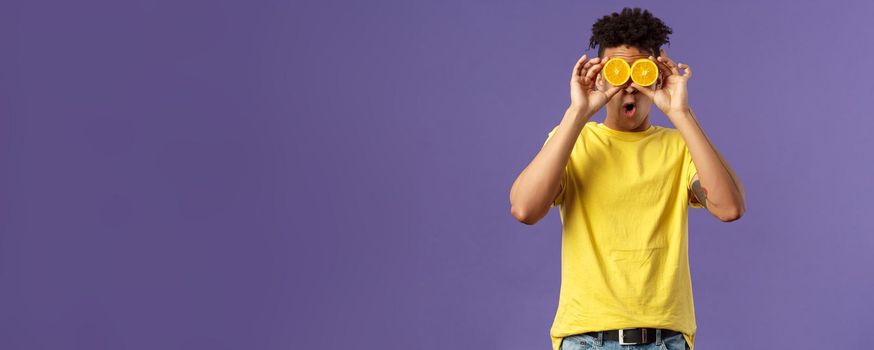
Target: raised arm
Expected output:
[538,184]
[718,188]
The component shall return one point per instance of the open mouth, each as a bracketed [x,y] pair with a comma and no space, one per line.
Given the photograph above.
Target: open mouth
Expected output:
[629,109]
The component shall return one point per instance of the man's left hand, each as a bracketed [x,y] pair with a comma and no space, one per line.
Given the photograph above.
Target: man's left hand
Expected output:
[671,98]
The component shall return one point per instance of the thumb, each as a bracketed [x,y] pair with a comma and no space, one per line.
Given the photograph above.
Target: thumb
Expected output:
[645,90]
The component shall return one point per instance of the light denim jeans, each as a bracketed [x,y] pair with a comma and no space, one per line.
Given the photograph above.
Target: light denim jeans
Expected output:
[588,342]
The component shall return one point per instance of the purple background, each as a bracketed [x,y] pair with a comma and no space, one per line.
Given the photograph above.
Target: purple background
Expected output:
[323,174]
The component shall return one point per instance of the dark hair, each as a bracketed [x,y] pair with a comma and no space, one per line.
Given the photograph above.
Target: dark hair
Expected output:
[633,27]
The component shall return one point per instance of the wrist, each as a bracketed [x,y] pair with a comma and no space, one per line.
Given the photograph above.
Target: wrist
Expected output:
[578,112]
[577,116]
[685,112]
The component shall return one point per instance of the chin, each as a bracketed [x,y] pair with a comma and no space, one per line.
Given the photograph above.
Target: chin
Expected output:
[634,122]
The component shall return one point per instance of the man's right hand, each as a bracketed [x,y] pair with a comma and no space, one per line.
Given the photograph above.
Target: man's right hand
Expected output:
[584,95]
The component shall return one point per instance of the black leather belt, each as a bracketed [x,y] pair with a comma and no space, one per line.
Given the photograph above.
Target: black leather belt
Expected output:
[631,336]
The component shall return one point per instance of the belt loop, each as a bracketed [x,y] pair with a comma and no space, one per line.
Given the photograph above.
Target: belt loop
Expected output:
[600,339]
[658,336]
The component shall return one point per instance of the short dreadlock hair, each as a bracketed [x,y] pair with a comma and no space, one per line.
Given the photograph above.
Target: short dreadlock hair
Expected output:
[633,27]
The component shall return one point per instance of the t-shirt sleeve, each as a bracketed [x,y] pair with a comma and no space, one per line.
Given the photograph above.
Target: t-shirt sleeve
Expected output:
[560,198]
[690,172]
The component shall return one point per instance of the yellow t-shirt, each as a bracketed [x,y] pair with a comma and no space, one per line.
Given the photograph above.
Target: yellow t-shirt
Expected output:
[624,248]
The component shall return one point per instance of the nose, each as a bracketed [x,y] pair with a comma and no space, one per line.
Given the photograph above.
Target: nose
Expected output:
[630,90]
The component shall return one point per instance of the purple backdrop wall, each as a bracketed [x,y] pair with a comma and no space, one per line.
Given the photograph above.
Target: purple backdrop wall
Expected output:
[320,174]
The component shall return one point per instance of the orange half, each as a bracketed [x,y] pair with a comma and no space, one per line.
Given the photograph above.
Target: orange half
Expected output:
[616,71]
[644,72]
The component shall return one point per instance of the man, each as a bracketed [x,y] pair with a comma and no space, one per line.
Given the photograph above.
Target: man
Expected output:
[624,187]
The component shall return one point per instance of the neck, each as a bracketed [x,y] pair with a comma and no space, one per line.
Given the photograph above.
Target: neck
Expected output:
[615,122]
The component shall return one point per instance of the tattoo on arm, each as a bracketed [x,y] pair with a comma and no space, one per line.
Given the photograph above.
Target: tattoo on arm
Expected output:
[700,192]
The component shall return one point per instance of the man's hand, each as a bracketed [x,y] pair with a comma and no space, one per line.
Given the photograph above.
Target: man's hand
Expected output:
[584,96]
[672,98]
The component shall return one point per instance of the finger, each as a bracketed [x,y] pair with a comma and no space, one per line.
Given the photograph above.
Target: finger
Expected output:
[576,72]
[593,70]
[589,65]
[664,70]
[672,68]
[645,90]
[612,91]
[688,71]
[663,57]
[599,81]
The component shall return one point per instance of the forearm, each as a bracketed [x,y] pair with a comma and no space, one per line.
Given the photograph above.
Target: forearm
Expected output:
[534,188]
[725,194]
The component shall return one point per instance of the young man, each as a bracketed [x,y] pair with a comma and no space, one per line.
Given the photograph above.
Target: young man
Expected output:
[624,187]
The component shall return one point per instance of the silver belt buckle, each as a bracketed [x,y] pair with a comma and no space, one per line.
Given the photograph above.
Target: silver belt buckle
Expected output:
[622,337]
